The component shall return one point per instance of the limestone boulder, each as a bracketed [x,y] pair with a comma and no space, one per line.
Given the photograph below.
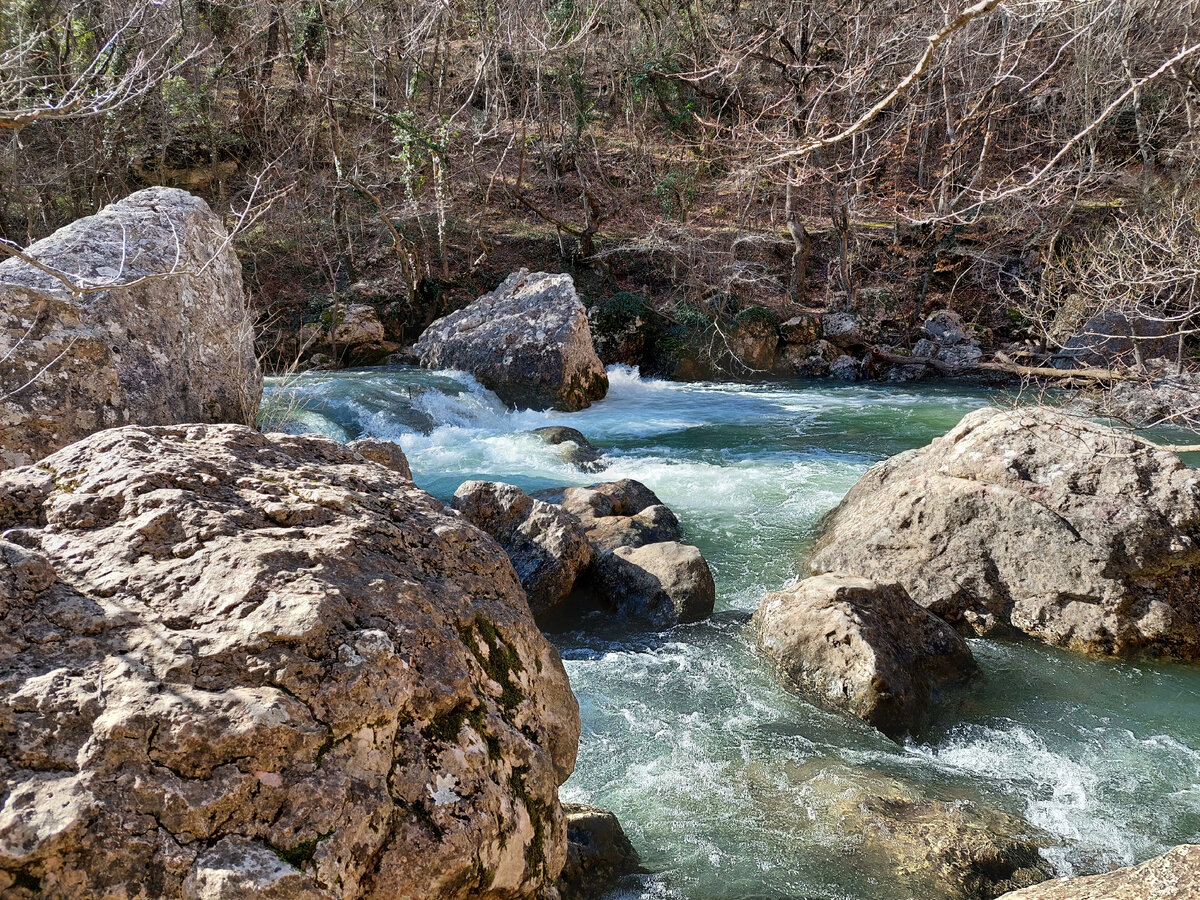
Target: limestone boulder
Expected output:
[388,454]
[236,665]
[864,648]
[843,330]
[548,548]
[357,336]
[803,329]
[664,584]
[147,325]
[1033,519]
[1173,876]
[528,341]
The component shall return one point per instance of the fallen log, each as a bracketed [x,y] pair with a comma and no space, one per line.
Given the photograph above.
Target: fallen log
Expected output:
[1001,363]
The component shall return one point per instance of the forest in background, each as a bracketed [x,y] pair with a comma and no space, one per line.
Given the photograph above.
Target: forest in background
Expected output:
[1031,164]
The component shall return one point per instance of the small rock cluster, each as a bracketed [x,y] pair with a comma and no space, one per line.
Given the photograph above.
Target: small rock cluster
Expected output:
[614,545]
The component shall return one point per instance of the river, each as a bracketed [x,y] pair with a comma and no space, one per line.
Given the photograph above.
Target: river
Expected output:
[720,776]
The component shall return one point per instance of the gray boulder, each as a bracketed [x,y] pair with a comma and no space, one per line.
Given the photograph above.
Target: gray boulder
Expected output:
[665,584]
[1173,876]
[845,368]
[1033,519]
[154,330]
[865,648]
[548,548]
[528,341]
[239,665]
[842,330]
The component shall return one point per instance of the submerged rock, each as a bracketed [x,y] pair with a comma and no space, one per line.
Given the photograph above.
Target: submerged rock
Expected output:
[573,447]
[949,847]
[598,853]
[175,344]
[547,547]
[1069,531]
[240,665]
[864,648]
[528,341]
[1173,876]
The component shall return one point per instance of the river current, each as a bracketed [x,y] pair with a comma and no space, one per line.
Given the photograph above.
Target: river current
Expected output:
[719,775]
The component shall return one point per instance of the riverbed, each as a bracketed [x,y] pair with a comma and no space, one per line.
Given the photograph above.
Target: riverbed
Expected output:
[719,775]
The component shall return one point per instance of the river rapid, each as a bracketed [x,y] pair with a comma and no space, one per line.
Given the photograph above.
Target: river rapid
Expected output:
[721,777]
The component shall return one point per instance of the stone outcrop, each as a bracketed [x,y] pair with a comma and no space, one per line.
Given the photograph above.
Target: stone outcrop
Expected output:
[634,566]
[865,648]
[598,853]
[239,665]
[528,341]
[388,454]
[753,342]
[1173,876]
[950,847]
[356,335]
[1031,518]
[153,329]
[547,546]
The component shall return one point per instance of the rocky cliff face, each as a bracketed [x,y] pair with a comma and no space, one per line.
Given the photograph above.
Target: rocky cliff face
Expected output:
[1040,521]
[153,330]
[235,665]
[528,340]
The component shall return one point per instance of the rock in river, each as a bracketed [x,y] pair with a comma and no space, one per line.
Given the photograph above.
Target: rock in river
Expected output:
[153,330]
[528,341]
[1173,876]
[237,665]
[547,546]
[1064,529]
[865,648]
[632,562]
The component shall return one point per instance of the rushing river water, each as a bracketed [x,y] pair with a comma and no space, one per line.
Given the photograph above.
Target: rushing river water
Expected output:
[719,775]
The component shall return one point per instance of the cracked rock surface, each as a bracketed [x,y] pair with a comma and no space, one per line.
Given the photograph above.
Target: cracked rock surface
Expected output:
[159,333]
[1037,520]
[528,341]
[236,665]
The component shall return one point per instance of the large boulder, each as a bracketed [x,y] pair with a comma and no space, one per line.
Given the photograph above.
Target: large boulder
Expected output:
[547,547]
[388,454]
[865,648]
[528,341]
[665,584]
[149,327]
[1066,530]
[1173,876]
[356,335]
[235,665]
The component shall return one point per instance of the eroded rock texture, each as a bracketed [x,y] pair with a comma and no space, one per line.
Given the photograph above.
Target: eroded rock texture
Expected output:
[174,345]
[528,341]
[1173,876]
[864,648]
[236,665]
[1066,530]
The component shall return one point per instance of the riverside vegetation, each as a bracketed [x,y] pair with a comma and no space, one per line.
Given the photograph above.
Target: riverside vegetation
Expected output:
[805,626]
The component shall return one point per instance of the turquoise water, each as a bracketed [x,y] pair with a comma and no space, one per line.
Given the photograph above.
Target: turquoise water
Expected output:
[711,766]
